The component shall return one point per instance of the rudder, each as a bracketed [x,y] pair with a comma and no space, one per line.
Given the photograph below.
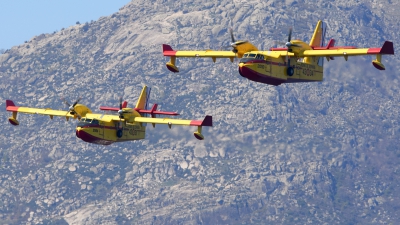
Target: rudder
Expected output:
[144,97]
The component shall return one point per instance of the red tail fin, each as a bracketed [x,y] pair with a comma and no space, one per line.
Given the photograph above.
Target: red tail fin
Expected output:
[331,43]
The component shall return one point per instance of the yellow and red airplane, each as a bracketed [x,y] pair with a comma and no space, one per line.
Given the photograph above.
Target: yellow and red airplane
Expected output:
[298,62]
[106,129]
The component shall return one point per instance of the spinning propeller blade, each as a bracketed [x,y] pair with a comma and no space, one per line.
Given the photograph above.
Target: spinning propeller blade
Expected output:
[71,107]
[232,37]
[120,111]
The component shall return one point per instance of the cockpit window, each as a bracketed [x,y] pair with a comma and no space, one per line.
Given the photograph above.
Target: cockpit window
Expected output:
[95,122]
[252,55]
[245,55]
[88,120]
[259,56]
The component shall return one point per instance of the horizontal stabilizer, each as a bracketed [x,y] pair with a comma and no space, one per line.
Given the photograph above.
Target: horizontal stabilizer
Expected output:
[124,105]
[153,111]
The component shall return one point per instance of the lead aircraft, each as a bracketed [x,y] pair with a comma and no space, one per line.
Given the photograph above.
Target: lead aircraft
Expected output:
[103,129]
[297,62]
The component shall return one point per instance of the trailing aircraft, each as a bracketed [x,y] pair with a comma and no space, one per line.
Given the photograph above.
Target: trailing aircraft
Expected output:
[99,128]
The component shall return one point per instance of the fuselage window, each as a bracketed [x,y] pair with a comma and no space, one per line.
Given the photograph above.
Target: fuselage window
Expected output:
[252,55]
[259,56]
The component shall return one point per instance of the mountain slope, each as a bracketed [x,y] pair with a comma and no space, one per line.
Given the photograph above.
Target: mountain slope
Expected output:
[294,154]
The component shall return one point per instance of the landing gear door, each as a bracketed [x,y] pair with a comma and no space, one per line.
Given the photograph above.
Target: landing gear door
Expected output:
[268,65]
[101,129]
[298,69]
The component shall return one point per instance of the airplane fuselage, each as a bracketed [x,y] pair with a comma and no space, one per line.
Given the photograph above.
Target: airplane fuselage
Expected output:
[266,67]
[101,132]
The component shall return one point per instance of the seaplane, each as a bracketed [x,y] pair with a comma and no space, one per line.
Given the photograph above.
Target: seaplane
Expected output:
[296,62]
[104,129]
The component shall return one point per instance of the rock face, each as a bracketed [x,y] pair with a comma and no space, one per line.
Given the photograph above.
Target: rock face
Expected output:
[312,153]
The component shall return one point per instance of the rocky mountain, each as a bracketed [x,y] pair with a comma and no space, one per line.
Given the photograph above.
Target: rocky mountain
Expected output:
[312,153]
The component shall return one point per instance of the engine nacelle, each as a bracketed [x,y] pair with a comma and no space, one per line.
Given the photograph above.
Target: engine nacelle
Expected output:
[13,121]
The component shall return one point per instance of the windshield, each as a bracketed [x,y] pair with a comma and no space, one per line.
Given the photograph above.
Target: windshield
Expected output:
[250,57]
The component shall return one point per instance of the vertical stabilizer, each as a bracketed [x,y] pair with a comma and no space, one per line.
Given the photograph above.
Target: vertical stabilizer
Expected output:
[317,40]
[141,103]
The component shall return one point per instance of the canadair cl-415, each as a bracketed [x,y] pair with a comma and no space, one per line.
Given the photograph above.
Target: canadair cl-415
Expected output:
[296,62]
[128,124]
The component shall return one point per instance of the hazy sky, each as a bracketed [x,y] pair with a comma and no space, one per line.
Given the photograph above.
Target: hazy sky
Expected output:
[20,20]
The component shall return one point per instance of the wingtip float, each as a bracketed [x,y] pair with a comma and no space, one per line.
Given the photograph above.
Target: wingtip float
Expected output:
[127,125]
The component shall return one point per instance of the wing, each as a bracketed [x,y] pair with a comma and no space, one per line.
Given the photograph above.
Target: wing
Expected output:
[386,49]
[10,106]
[168,51]
[207,121]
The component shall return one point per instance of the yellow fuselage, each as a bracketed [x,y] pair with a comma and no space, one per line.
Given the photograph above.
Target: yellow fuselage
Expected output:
[97,131]
[270,68]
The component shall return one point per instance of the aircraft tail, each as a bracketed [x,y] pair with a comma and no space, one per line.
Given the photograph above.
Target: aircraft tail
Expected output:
[143,100]
[317,40]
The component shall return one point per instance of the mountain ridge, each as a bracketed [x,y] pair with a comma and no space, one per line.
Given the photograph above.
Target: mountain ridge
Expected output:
[297,153]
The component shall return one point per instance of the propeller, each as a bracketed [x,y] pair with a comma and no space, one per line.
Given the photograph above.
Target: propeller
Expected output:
[120,111]
[71,107]
[288,43]
[234,43]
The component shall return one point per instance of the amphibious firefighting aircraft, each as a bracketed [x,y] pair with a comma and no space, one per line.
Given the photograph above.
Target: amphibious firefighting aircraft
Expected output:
[103,129]
[297,62]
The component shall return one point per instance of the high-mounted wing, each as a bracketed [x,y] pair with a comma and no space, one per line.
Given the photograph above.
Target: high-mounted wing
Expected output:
[207,121]
[11,107]
[386,49]
[168,51]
